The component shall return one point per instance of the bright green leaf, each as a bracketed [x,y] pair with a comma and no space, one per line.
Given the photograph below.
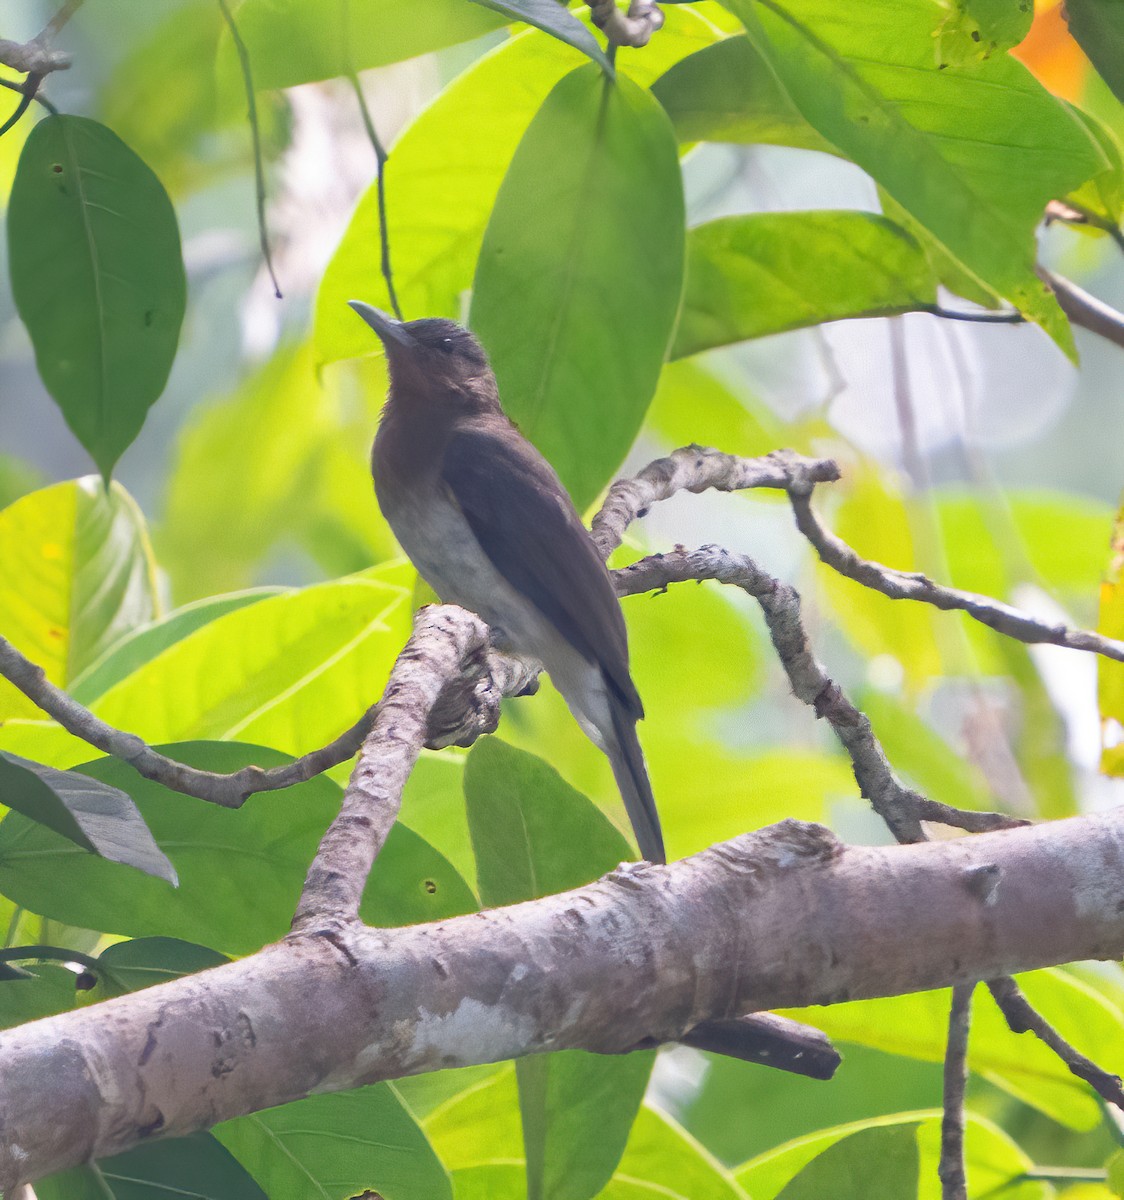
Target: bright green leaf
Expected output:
[143,644]
[338,1145]
[555,19]
[226,510]
[727,93]
[578,358]
[880,1161]
[751,276]
[301,41]
[84,577]
[197,1166]
[916,1026]
[973,30]
[94,816]
[97,276]
[906,1145]
[241,870]
[469,133]
[292,671]
[948,142]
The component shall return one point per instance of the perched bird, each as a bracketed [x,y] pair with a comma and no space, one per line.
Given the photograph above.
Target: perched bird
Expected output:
[489,526]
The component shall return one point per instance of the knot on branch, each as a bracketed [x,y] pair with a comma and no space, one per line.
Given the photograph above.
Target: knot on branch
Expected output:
[469,704]
[634,29]
[32,58]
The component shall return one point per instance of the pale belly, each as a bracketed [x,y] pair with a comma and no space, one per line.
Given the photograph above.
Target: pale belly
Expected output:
[441,544]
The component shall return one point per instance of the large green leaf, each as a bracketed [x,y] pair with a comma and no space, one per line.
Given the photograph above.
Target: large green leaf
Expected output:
[136,648]
[144,962]
[292,671]
[97,276]
[579,356]
[197,1166]
[300,41]
[226,510]
[79,576]
[972,150]
[888,1157]
[468,134]
[477,1136]
[728,93]
[916,1026]
[534,835]
[47,989]
[94,816]
[755,275]
[555,19]
[1098,26]
[240,870]
[337,1146]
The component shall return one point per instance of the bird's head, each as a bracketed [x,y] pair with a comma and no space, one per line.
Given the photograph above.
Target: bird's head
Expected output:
[430,354]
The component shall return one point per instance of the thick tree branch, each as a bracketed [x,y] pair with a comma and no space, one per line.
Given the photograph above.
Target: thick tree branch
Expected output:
[783,917]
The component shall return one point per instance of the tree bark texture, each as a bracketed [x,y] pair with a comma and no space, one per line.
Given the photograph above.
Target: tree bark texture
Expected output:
[786,916]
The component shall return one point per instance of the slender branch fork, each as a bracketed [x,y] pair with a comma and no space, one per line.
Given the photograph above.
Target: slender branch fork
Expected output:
[445,689]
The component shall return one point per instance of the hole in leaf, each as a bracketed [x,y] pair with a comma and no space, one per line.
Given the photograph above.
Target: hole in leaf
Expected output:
[430,886]
[56,168]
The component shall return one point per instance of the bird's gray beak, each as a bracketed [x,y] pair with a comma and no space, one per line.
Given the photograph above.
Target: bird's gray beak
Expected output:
[390,330]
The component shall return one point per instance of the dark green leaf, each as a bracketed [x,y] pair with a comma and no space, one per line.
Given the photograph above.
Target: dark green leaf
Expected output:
[94,255]
[593,188]
[756,275]
[196,1167]
[93,815]
[142,962]
[339,1145]
[728,93]
[241,870]
[554,18]
[299,41]
[972,151]
[137,648]
[534,835]
[1098,26]
[42,992]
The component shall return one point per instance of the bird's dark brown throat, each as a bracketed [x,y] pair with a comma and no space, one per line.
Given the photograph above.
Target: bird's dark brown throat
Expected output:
[488,524]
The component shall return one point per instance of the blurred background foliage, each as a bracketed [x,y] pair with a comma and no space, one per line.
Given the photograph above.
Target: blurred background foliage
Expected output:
[236,593]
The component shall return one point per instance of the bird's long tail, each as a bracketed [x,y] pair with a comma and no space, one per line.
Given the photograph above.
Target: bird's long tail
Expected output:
[627,760]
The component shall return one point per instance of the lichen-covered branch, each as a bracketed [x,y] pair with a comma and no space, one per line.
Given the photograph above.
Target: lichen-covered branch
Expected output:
[783,917]
[902,808]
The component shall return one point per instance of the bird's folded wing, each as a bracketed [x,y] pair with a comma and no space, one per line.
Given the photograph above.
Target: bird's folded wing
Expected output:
[528,527]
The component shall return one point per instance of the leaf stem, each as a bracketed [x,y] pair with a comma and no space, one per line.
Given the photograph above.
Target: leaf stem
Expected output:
[255,133]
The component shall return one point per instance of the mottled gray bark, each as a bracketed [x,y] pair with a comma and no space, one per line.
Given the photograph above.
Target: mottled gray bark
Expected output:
[783,917]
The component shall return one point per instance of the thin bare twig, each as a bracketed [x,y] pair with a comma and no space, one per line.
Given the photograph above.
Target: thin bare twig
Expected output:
[381,159]
[255,134]
[954,1181]
[902,808]
[1022,1018]
[36,95]
[228,791]
[1086,310]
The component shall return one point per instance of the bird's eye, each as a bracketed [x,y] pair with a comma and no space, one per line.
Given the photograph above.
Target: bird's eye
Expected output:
[446,343]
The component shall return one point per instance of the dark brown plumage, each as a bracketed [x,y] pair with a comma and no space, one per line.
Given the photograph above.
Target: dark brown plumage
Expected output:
[488,524]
